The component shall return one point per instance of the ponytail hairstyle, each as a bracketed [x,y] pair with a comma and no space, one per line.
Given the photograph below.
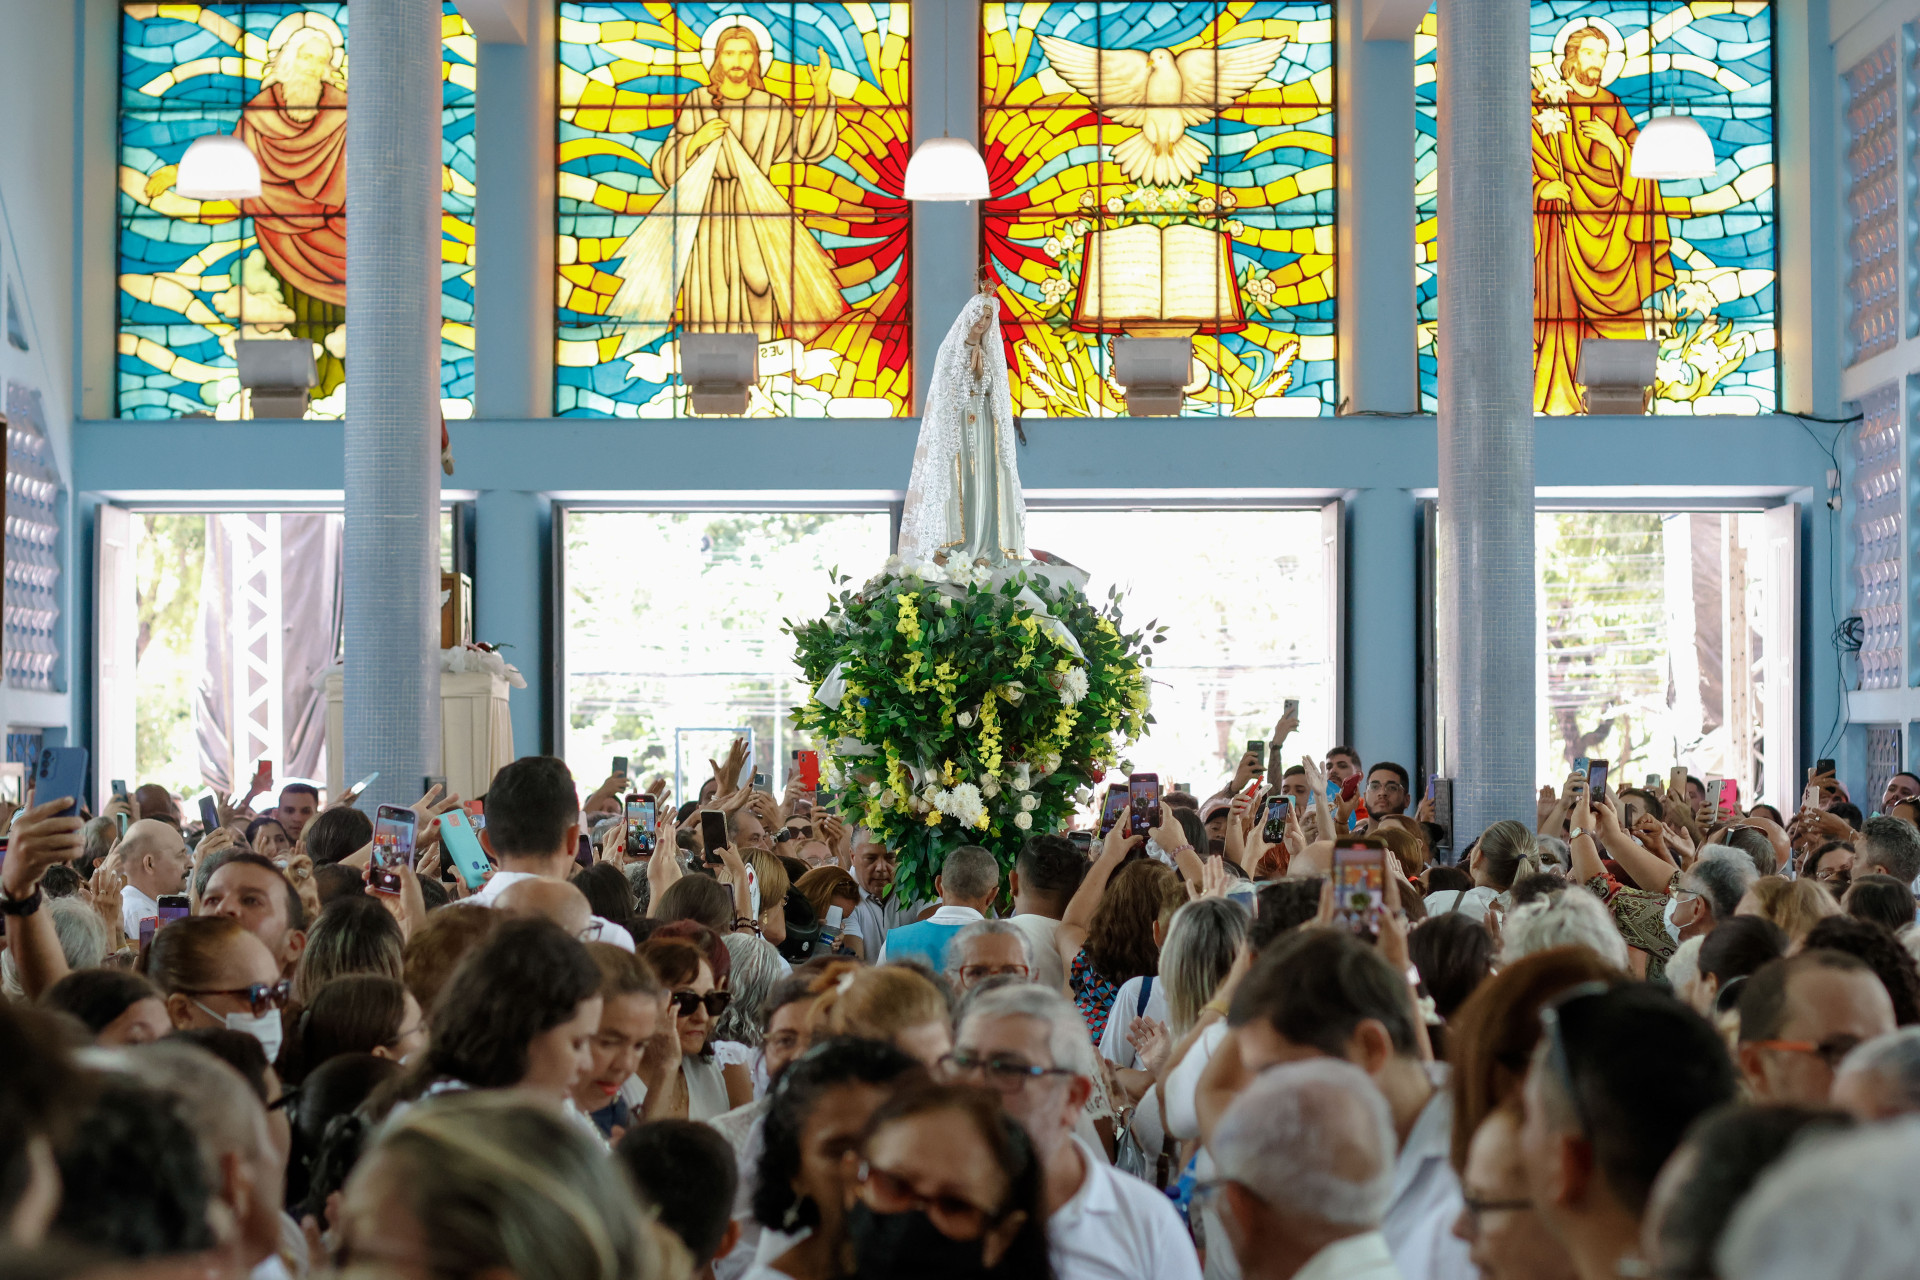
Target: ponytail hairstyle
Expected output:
[1507,851]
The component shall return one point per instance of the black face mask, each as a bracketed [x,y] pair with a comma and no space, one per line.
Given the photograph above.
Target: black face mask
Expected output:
[895,1246]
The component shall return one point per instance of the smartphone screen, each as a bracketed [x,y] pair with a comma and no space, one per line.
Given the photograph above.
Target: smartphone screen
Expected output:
[147,927]
[643,815]
[477,814]
[1433,784]
[209,813]
[353,792]
[1597,779]
[1823,767]
[1143,795]
[1359,887]
[393,833]
[1081,840]
[1275,831]
[174,906]
[713,832]
[583,852]
[1110,808]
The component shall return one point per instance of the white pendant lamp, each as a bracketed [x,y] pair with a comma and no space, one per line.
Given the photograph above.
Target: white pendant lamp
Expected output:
[218,166]
[946,169]
[1672,146]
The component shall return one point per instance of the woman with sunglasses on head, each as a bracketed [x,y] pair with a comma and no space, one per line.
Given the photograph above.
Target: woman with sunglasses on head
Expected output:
[698,1090]
[213,973]
[946,1186]
[519,1014]
[817,1114]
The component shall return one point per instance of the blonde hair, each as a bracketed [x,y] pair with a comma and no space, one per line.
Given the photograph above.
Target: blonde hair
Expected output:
[1795,905]
[773,878]
[822,884]
[497,1182]
[876,1004]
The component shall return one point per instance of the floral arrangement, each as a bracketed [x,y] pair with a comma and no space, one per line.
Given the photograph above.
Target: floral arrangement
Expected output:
[954,707]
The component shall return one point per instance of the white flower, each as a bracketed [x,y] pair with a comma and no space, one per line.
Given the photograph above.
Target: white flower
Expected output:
[1550,121]
[1053,289]
[1235,228]
[873,788]
[1014,692]
[1048,764]
[1022,776]
[1053,247]
[888,799]
[989,786]
[1083,797]
[932,796]
[1023,820]
[1116,205]
[1207,205]
[964,719]
[893,565]
[1029,802]
[962,803]
[1072,684]
[948,602]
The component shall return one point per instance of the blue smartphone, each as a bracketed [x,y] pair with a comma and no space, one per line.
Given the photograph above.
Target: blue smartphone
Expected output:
[469,858]
[62,772]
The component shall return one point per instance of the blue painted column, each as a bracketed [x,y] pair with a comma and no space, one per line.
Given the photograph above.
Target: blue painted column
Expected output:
[1382,689]
[510,608]
[392,552]
[1485,609]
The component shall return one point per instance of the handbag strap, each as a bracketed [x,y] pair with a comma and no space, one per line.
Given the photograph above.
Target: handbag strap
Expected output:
[1146,991]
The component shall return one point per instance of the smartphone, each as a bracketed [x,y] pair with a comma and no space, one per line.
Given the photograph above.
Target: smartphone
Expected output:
[1275,831]
[477,814]
[1597,779]
[209,814]
[120,821]
[62,772]
[806,766]
[263,775]
[583,852]
[1730,794]
[1823,767]
[1359,887]
[1810,798]
[1652,783]
[830,928]
[643,821]
[713,834]
[147,927]
[1677,779]
[1713,792]
[1110,809]
[760,782]
[1350,788]
[464,847]
[355,791]
[1291,708]
[174,906]
[119,787]
[1257,747]
[393,833]
[1143,798]
[1081,840]
[429,781]
[1433,784]
[1581,765]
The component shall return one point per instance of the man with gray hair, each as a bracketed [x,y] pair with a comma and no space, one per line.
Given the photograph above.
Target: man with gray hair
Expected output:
[1305,1158]
[968,882]
[1710,890]
[1839,1209]
[1029,1045]
[988,949]
[1752,842]
[1890,846]
[1880,1079]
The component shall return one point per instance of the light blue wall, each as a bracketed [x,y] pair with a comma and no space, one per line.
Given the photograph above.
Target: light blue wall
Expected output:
[515,461]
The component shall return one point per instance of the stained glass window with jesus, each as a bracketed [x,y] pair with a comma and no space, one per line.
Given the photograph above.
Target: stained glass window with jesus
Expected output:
[195,275]
[1689,263]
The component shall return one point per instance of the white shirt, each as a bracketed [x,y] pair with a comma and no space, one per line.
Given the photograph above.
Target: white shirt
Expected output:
[943,914]
[1114,1045]
[1361,1257]
[1183,1121]
[1041,931]
[744,1128]
[1426,1198]
[1116,1227]
[598,929]
[135,906]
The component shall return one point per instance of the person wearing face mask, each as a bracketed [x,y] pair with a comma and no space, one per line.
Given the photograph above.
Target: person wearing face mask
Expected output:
[520,1013]
[803,1182]
[632,1006]
[213,973]
[946,1187]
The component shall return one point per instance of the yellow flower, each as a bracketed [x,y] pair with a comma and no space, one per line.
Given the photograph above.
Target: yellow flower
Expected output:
[933,818]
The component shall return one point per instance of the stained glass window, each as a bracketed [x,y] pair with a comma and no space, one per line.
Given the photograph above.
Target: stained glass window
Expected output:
[1162,170]
[735,169]
[1690,263]
[196,275]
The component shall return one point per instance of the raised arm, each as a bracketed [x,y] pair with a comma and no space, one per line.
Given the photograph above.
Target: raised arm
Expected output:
[1078,919]
[1644,867]
[38,841]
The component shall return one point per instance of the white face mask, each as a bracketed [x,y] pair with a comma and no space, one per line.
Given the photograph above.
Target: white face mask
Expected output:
[264,1027]
[1673,930]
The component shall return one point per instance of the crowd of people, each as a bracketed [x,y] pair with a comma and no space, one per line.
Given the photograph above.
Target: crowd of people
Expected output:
[1633,1033]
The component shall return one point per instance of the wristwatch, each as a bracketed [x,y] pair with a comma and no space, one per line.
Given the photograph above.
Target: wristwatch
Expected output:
[1574,833]
[12,906]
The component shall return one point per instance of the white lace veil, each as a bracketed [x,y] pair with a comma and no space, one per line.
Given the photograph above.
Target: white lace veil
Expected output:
[924,519]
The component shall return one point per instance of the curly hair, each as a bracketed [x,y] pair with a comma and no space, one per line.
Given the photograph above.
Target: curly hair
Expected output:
[1874,943]
[827,1065]
[1119,941]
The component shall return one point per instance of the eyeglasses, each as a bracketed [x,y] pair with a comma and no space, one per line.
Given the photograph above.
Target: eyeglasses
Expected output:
[260,996]
[1008,1075]
[970,974]
[1830,1051]
[716,1001]
[955,1218]
[1554,1019]
[1479,1207]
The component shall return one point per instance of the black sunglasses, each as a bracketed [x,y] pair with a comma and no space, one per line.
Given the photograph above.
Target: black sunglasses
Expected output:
[261,996]
[716,1001]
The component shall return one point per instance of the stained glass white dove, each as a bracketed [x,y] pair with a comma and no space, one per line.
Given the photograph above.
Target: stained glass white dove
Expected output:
[1163,96]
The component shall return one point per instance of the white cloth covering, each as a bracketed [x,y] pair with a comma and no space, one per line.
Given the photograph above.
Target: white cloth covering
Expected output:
[1116,1227]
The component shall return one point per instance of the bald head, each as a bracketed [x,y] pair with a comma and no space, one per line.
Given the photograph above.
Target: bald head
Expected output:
[554,900]
[1315,1136]
[155,858]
